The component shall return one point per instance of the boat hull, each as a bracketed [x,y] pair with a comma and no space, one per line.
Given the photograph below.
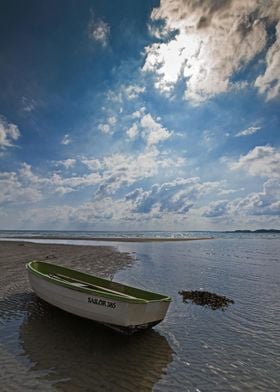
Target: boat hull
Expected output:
[103,309]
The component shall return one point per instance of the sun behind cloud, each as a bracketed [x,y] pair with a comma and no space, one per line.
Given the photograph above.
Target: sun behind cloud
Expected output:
[202,49]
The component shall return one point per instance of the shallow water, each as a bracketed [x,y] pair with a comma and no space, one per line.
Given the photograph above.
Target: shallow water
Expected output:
[194,349]
[234,350]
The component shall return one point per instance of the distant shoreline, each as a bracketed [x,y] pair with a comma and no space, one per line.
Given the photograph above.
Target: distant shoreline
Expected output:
[111,239]
[255,231]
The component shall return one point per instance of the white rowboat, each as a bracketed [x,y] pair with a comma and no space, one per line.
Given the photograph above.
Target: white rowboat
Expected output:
[114,304]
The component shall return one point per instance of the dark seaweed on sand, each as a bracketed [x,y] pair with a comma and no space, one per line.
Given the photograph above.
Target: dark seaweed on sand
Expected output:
[204,298]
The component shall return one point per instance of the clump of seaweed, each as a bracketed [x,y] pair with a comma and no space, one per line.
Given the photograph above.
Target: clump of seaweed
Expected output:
[204,298]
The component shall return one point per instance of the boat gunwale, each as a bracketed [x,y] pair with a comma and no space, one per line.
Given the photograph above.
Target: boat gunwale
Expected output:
[87,290]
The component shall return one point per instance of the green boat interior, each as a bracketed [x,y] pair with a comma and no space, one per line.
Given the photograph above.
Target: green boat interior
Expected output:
[88,283]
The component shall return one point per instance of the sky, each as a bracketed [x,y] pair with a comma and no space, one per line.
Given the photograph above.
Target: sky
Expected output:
[139,115]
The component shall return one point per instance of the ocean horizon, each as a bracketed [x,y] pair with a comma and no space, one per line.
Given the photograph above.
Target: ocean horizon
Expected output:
[141,234]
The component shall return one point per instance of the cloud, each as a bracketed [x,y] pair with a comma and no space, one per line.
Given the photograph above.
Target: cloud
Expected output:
[112,120]
[49,217]
[96,212]
[28,104]
[93,164]
[133,91]
[209,139]
[199,42]
[248,131]
[177,196]
[105,128]
[216,209]
[133,131]
[269,82]
[125,92]
[66,139]
[27,176]
[27,186]
[120,170]
[63,190]
[262,161]
[168,203]
[138,113]
[67,163]
[149,129]
[13,190]
[115,96]
[83,216]
[72,183]
[9,133]
[104,177]
[98,31]
[153,131]
[264,203]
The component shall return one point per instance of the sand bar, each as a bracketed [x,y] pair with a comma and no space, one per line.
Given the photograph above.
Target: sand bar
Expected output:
[100,260]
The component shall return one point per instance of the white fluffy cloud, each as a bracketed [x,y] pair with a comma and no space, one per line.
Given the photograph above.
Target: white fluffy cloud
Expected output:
[104,177]
[261,161]
[9,133]
[149,129]
[201,41]
[124,169]
[13,190]
[153,131]
[177,196]
[27,186]
[133,131]
[67,163]
[264,203]
[93,164]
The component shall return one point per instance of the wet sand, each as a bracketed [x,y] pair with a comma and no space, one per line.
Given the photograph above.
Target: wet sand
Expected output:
[100,260]
[103,261]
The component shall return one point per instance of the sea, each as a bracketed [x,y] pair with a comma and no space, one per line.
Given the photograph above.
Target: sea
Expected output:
[67,234]
[195,348]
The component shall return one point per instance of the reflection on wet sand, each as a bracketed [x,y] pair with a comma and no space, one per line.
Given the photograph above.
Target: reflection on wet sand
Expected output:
[14,306]
[83,355]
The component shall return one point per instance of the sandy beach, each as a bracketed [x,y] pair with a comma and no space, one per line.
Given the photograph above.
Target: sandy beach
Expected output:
[100,260]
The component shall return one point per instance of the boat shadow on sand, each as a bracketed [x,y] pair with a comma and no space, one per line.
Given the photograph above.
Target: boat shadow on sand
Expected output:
[84,355]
